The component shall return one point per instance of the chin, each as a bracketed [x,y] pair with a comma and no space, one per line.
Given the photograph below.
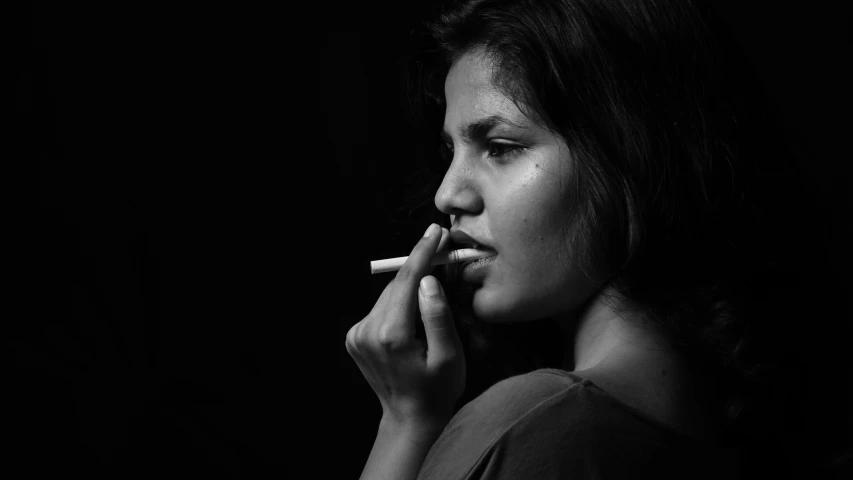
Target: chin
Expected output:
[494,303]
[489,306]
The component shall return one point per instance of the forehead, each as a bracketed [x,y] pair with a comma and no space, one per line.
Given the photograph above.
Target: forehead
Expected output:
[470,92]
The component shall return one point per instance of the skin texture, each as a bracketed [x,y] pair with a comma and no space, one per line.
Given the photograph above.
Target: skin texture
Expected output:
[512,201]
[505,187]
[417,382]
[515,201]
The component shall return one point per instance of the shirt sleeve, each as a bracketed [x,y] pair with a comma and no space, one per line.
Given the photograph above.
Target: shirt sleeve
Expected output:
[508,432]
[541,426]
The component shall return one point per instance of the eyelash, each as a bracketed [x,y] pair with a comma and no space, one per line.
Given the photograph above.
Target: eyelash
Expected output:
[505,149]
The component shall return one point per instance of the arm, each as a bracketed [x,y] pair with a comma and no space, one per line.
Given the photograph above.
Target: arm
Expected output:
[399,450]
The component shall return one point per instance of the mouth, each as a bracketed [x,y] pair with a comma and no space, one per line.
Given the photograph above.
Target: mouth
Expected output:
[474,272]
[475,246]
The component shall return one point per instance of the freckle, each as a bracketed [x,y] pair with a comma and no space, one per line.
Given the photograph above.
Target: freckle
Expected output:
[664,373]
[537,165]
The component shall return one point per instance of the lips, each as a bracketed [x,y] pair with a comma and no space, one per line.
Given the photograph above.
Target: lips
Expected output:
[462,239]
[475,246]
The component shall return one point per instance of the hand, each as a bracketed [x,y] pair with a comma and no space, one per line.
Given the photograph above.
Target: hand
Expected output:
[417,382]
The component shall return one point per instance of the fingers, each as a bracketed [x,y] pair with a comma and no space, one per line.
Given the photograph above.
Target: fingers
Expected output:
[357,345]
[418,263]
[445,240]
[382,301]
[403,298]
[443,342]
[394,313]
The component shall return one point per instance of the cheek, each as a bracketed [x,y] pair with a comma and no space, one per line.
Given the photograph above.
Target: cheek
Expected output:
[537,235]
[536,277]
[519,297]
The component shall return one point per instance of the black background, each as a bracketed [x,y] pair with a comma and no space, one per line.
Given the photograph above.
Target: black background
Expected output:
[213,182]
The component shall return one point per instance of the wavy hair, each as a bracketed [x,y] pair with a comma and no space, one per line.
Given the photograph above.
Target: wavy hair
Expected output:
[682,185]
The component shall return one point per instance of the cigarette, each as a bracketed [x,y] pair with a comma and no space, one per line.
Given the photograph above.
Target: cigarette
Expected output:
[454,256]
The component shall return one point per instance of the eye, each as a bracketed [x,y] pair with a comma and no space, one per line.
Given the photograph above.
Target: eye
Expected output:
[503,149]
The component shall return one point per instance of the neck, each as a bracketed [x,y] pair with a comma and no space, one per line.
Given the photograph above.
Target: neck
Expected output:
[607,329]
[613,346]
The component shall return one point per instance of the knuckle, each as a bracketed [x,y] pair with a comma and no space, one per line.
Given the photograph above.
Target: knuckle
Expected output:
[446,362]
[450,357]
[435,310]
[350,340]
[353,335]
[389,339]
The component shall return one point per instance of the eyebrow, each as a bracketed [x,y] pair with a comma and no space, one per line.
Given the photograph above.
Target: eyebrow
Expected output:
[479,129]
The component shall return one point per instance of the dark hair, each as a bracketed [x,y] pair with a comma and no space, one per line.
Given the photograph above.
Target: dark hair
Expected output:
[681,175]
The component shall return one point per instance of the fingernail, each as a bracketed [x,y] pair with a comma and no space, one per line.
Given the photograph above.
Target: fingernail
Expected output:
[431,230]
[429,286]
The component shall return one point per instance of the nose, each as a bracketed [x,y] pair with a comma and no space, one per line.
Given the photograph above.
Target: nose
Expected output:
[458,192]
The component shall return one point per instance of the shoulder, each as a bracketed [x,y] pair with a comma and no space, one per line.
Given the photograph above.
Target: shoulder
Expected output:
[544,424]
[519,413]
[515,397]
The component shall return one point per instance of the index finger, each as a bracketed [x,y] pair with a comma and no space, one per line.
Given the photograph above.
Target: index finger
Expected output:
[417,266]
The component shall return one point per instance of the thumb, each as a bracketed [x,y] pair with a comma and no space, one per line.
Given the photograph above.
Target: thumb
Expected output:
[441,335]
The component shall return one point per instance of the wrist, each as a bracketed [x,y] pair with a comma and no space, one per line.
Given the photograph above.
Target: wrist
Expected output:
[400,448]
[415,429]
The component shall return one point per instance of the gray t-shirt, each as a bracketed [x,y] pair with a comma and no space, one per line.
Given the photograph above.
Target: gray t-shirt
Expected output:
[553,424]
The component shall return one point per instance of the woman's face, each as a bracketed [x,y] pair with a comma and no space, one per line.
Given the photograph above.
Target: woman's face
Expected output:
[504,187]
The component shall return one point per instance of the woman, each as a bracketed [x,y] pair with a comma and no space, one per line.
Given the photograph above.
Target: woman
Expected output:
[597,148]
